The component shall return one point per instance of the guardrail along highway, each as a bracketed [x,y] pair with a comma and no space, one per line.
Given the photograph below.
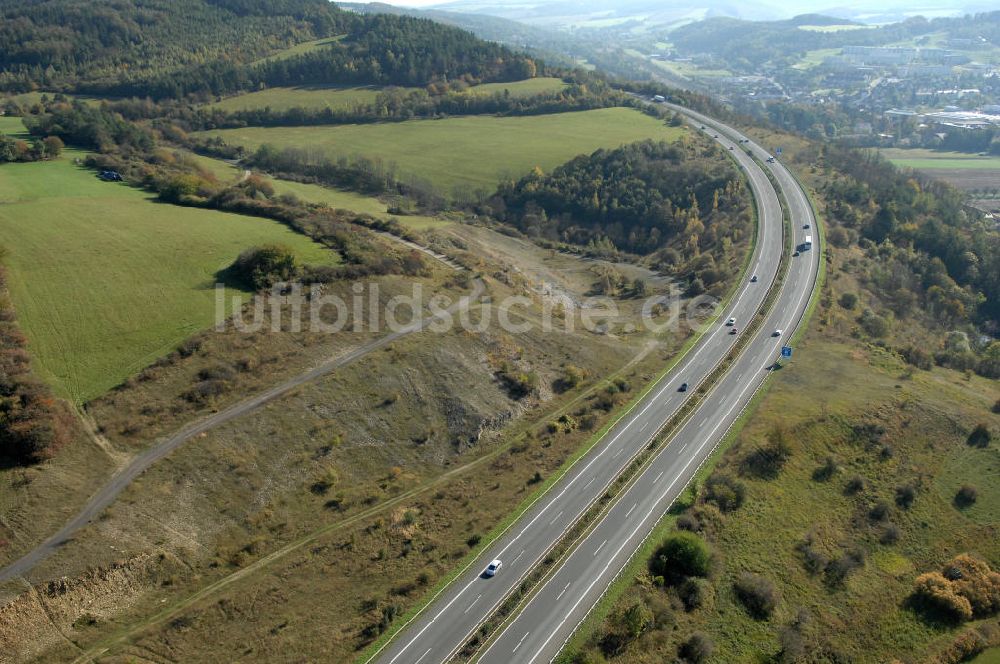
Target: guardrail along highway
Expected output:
[546,621]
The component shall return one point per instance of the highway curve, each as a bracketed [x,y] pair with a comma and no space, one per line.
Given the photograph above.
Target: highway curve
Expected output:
[548,619]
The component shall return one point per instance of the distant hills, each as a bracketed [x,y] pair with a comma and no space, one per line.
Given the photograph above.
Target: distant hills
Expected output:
[598,13]
[175,48]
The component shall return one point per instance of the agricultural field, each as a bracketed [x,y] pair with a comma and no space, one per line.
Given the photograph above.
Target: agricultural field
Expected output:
[921,159]
[526,88]
[815,57]
[679,68]
[474,152]
[105,279]
[970,172]
[315,97]
[310,97]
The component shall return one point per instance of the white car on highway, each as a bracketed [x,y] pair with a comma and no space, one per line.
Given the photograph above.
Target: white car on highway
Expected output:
[776,333]
[493,568]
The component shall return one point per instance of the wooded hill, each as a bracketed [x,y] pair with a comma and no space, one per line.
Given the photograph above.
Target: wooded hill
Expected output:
[174,48]
[674,200]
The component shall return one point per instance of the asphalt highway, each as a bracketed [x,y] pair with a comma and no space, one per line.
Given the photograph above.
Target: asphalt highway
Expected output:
[549,618]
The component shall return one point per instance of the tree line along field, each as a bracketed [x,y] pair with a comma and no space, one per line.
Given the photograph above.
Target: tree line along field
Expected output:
[105,279]
[313,193]
[314,97]
[472,152]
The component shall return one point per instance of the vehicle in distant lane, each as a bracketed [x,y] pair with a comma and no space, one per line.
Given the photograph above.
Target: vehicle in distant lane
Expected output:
[493,568]
[683,387]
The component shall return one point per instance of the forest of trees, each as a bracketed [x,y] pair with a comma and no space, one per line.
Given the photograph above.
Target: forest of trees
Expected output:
[62,44]
[39,149]
[91,127]
[378,50]
[674,201]
[953,261]
[176,48]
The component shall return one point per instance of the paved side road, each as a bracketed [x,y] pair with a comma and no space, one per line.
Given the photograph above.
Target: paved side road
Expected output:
[125,476]
[444,627]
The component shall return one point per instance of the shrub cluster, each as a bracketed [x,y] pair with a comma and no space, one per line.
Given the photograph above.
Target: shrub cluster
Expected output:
[965,588]
[682,554]
[757,594]
[727,493]
[32,423]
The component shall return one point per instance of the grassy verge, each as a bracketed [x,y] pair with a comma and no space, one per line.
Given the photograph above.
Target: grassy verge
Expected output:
[640,558]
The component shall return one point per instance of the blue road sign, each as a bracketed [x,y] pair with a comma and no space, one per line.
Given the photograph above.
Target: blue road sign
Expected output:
[786,351]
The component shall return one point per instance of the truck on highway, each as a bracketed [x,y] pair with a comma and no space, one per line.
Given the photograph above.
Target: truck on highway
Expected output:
[659,98]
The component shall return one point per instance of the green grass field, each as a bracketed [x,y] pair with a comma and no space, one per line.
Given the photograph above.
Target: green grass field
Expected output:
[917,158]
[105,279]
[299,49]
[310,97]
[991,656]
[474,151]
[979,468]
[815,58]
[526,88]
[10,126]
[345,98]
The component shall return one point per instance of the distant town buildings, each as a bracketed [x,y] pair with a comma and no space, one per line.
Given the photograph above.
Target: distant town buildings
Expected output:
[952,117]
